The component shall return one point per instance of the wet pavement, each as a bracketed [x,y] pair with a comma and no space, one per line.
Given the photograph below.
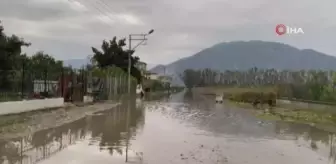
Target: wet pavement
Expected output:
[180,129]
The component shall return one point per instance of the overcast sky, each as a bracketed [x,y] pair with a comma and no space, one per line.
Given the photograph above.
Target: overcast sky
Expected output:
[68,29]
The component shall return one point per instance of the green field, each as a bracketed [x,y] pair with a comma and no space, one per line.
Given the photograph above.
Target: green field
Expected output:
[288,112]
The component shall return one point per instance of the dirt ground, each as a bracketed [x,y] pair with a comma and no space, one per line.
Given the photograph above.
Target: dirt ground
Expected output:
[25,123]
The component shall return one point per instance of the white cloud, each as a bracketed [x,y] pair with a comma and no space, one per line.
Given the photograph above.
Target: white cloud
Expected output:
[127,19]
[130,19]
[77,6]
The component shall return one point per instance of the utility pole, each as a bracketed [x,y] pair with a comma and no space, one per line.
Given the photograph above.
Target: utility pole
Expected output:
[164,70]
[129,63]
[23,79]
[130,39]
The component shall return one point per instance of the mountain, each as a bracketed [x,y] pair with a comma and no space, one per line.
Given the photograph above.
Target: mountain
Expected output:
[159,69]
[150,66]
[243,55]
[76,63]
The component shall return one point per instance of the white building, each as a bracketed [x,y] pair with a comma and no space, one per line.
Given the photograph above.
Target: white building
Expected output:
[154,76]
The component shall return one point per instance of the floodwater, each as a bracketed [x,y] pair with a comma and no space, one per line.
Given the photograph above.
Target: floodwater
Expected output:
[180,129]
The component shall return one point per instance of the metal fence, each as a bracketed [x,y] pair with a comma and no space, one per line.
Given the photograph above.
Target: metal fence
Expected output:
[109,83]
[71,84]
[17,85]
[35,84]
[109,87]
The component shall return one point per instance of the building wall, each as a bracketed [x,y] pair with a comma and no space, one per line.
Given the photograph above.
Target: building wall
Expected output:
[154,77]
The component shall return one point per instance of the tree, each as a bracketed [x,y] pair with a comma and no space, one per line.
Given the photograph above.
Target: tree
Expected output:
[317,84]
[44,66]
[191,78]
[113,54]
[10,53]
[303,84]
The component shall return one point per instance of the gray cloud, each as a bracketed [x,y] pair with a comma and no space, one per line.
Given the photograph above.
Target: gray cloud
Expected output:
[182,28]
[35,10]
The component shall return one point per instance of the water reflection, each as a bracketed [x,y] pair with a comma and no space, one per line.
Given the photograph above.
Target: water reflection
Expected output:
[111,131]
[106,130]
[188,96]
[223,120]
[319,140]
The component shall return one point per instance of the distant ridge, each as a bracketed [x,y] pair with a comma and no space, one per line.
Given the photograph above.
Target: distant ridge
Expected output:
[76,63]
[243,55]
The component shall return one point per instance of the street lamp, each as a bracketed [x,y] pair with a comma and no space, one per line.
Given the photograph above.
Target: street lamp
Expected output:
[151,31]
[142,38]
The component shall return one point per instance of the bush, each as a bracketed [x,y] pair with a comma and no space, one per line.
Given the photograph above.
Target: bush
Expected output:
[254,96]
[154,85]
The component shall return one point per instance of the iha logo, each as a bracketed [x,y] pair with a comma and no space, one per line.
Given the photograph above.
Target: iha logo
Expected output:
[282,29]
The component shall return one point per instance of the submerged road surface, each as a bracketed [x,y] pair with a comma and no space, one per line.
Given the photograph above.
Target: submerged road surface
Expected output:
[178,130]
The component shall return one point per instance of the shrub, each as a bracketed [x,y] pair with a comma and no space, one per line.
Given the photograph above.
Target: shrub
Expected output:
[254,96]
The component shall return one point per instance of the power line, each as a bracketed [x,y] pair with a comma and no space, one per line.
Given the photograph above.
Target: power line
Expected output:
[97,4]
[108,7]
[98,8]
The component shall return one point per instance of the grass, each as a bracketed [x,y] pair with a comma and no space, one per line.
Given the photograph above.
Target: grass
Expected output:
[290,113]
[300,116]
[305,116]
[297,115]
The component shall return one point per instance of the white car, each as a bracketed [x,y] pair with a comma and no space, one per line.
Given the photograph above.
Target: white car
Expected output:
[219,99]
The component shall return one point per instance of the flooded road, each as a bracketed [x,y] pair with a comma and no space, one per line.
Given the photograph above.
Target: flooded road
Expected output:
[176,130]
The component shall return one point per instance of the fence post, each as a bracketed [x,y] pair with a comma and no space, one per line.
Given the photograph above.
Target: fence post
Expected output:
[72,85]
[122,87]
[115,86]
[82,79]
[85,80]
[22,78]
[125,86]
[118,86]
[45,80]
[62,82]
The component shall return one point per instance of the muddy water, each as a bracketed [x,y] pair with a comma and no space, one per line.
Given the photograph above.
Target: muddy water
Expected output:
[179,130]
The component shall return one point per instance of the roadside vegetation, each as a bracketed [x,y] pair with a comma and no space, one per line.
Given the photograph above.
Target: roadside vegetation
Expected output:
[257,87]
[18,70]
[113,54]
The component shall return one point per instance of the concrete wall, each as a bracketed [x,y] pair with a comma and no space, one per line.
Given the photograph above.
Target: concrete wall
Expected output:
[13,107]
